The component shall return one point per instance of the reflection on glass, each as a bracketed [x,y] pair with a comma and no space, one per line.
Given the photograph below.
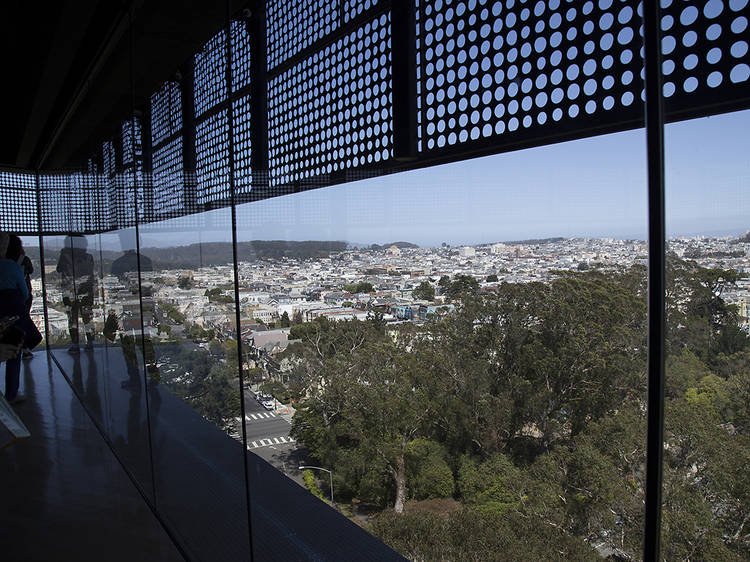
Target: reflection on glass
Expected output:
[189,314]
[119,362]
[78,286]
[189,343]
[134,325]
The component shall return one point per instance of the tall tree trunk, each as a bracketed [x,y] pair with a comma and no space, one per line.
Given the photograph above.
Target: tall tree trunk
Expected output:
[400,477]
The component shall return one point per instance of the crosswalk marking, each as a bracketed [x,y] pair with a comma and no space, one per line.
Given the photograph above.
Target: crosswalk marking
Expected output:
[265,442]
[260,416]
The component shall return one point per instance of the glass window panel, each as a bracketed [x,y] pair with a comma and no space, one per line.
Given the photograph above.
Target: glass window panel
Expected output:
[194,393]
[464,343]
[706,446]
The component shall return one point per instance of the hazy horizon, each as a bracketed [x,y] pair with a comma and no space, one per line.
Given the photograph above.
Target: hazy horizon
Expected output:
[28,240]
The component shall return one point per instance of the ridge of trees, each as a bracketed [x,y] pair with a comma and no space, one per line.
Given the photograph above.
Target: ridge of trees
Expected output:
[193,256]
[397,244]
[535,241]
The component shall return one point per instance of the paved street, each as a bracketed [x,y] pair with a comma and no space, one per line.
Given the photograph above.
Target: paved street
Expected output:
[264,428]
[265,425]
[268,437]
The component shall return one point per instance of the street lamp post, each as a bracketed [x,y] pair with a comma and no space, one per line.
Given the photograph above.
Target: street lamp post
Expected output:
[330,476]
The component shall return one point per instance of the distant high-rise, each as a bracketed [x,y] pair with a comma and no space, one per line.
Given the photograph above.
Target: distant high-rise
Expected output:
[467,252]
[498,248]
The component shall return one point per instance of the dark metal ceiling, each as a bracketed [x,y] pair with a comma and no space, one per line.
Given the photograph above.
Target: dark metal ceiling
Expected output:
[68,70]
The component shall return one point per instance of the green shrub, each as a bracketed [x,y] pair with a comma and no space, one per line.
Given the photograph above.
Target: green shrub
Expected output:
[428,475]
[309,479]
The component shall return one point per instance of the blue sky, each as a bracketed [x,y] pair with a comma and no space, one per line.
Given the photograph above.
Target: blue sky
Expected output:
[593,187]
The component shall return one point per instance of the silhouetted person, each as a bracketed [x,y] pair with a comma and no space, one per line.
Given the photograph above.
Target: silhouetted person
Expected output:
[16,253]
[78,284]
[125,268]
[13,296]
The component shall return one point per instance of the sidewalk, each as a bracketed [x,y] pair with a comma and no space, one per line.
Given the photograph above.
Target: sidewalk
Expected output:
[286,411]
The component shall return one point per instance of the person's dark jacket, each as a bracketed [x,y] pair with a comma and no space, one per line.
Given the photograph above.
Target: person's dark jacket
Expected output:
[77,264]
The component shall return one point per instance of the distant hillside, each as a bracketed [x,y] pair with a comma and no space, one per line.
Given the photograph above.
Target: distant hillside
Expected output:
[194,256]
[695,253]
[219,253]
[745,238]
[536,241]
[397,244]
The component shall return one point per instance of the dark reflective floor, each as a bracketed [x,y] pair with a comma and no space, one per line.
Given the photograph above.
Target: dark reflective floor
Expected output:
[198,482]
[64,495]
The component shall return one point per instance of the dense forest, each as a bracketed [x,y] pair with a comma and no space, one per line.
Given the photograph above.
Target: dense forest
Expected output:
[514,428]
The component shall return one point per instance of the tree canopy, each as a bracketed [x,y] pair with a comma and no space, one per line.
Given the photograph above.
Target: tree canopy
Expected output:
[526,408]
[424,291]
[361,287]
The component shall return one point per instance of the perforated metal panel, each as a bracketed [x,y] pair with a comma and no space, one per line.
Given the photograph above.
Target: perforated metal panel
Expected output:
[83,202]
[122,200]
[243,172]
[169,198]
[240,56]
[99,201]
[133,176]
[293,26]
[504,71]
[212,158]
[212,119]
[18,211]
[705,50]
[166,112]
[167,151]
[145,196]
[132,146]
[118,187]
[210,74]
[69,202]
[332,111]
[108,174]
[352,8]
[418,73]
[241,109]
[491,76]
[108,159]
[502,68]
[55,202]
